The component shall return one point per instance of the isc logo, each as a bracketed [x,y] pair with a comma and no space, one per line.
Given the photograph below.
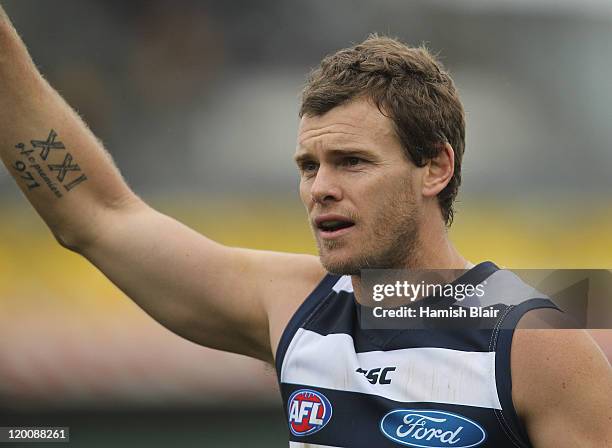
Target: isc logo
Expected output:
[309,412]
[378,375]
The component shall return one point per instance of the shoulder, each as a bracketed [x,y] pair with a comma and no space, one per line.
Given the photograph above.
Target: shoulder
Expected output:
[562,386]
[284,272]
[284,281]
[300,275]
[279,275]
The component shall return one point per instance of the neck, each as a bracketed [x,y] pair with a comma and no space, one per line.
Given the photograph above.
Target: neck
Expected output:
[433,250]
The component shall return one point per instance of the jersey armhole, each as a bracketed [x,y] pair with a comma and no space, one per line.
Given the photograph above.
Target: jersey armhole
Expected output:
[300,316]
[502,344]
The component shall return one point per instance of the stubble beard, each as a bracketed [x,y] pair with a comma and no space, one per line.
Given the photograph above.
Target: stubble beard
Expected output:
[391,244]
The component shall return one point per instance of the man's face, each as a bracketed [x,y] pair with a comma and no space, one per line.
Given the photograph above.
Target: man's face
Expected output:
[359,188]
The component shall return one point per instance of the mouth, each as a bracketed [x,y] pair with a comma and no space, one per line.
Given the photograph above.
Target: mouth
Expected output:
[333,226]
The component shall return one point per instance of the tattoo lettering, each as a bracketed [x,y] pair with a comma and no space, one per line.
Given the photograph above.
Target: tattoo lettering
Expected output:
[21,167]
[62,169]
[47,181]
[74,183]
[22,150]
[47,145]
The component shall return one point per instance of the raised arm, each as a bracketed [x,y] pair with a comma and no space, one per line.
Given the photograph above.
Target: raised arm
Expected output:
[57,162]
[214,295]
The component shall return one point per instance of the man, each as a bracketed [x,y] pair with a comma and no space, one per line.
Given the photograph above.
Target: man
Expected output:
[379,153]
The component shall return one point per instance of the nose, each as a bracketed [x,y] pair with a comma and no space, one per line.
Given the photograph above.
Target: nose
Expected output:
[325,186]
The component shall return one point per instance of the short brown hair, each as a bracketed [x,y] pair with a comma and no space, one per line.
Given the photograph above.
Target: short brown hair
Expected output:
[407,84]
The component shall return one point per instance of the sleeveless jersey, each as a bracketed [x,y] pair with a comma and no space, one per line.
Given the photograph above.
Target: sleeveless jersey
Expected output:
[345,386]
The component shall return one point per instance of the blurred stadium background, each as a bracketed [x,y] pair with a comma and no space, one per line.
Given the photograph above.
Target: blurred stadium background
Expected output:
[197,102]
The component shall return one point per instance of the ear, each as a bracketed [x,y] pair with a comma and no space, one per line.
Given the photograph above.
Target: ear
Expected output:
[438,171]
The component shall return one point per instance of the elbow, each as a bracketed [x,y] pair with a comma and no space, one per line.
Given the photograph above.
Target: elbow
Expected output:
[73,241]
[81,235]
[67,243]
[77,234]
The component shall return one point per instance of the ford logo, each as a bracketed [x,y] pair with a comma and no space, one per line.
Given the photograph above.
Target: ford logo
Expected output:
[423,428]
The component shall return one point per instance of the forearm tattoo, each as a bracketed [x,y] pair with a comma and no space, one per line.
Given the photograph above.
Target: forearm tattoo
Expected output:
[60,177]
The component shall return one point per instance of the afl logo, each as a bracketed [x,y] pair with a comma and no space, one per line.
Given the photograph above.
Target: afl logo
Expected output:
[309,412]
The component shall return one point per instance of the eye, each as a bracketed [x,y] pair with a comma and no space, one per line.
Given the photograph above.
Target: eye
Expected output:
[308,167]
[351,161]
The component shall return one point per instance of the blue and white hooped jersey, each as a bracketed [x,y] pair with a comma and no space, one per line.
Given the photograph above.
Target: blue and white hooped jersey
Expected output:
[344,386]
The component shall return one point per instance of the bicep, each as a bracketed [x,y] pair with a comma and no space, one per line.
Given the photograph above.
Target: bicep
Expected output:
[199,289]
[562,387]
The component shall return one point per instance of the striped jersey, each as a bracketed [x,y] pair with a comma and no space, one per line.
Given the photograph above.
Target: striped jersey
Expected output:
[346,386]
